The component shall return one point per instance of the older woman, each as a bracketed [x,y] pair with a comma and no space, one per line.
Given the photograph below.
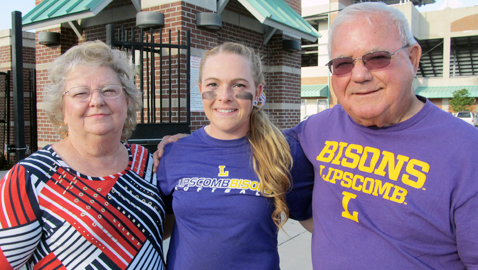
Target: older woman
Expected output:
[89,201]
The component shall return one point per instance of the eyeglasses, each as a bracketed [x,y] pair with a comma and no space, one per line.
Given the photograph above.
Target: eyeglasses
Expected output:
[372,61]
[83,93]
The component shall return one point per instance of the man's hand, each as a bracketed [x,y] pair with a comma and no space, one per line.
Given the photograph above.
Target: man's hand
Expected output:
[308,224]
[166,139]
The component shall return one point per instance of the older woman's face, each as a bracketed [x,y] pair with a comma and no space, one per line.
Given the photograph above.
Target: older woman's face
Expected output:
[96,116]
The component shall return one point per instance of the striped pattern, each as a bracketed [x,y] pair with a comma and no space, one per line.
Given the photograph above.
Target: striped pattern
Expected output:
[65,220]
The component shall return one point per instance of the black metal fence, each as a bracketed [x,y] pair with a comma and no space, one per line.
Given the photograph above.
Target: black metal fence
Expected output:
[163,78]
[7,139]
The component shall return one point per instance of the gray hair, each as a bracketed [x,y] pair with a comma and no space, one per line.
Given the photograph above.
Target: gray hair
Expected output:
[368,9]
[94,54]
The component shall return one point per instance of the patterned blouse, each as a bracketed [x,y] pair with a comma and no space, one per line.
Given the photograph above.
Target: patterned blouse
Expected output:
[52,217]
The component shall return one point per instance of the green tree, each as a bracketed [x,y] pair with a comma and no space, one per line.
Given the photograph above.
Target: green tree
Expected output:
[461,100]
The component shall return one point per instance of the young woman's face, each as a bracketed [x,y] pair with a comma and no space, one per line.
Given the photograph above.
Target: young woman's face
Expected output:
[228,91]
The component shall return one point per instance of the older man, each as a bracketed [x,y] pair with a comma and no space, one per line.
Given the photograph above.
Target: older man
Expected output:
[396,184]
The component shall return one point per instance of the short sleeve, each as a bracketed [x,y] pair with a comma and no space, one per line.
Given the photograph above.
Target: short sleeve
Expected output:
[164,184]
[295,132]
[299,199]
[466,222]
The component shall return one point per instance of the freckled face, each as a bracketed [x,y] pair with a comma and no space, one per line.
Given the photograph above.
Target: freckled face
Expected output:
[228,90]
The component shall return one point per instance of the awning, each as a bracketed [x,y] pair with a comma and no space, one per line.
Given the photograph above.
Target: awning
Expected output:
[50,12]
[314,90]
[273,13]
[444,91]
[278,15]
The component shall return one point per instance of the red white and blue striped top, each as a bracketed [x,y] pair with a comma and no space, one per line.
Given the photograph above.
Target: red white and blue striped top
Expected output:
[52,217]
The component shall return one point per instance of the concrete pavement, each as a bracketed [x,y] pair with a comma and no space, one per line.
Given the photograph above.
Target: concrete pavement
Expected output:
[294,248]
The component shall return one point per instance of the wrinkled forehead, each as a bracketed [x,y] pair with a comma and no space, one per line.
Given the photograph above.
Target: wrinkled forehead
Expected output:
[367,32]
[376,24]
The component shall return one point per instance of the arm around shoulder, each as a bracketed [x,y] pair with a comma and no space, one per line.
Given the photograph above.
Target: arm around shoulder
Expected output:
[308,224]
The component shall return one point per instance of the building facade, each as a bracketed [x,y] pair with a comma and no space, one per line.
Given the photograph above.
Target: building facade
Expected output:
[259,24]
[449,41]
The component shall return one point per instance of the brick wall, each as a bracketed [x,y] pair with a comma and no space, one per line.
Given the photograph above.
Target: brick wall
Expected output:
[282,87]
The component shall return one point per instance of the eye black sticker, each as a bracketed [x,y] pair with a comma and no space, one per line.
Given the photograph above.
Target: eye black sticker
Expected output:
[245,95]
[209,95]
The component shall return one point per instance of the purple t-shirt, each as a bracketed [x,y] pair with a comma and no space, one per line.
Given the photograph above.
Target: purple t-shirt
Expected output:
[400,197]
[222,220]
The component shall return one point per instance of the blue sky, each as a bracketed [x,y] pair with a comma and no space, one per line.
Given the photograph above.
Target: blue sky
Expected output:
[8,6]
[26,5]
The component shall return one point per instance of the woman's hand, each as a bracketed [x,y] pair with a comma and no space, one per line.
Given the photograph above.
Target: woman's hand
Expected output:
[165,140]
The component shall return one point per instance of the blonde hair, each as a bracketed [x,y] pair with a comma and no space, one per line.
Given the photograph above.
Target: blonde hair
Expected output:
[272,160]
[94,54]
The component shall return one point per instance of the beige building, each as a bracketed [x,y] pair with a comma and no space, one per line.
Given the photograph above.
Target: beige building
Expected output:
[449,40]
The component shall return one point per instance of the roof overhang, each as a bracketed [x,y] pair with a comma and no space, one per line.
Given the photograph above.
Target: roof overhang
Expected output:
[444,91]
[314,90]
[393,2]
[280,16]
[276,14]
[51,12]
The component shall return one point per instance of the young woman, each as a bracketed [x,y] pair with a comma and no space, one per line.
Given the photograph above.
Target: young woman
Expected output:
[229,183]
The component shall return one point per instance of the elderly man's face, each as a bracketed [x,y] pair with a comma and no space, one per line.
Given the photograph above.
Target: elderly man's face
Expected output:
[379,97]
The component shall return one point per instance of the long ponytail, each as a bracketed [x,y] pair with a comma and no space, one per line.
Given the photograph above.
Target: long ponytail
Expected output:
[272,162]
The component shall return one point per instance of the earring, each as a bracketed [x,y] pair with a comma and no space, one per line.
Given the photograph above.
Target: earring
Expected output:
[64,130]
[261,100]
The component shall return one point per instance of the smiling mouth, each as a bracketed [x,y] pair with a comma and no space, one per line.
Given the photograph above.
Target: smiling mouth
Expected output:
[225,111]
[367,93]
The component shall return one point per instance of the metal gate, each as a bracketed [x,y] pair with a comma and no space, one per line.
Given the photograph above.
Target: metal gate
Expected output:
[4,118]
[163,78]
[7,138]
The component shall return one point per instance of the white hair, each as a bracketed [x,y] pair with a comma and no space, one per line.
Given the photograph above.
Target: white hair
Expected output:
[367,10]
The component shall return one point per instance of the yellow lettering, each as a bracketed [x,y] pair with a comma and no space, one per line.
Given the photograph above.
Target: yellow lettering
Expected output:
[367,186]
[421,177]
[345,204]
[373,161]
[337,176]
[222,172]
[383,190]
[389,159]
[234,183]
[399,195]
[353,159]
[354,182]
[347,179]
[326,178]
[327,153]
[255,185]
[339,153]
[245,184]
